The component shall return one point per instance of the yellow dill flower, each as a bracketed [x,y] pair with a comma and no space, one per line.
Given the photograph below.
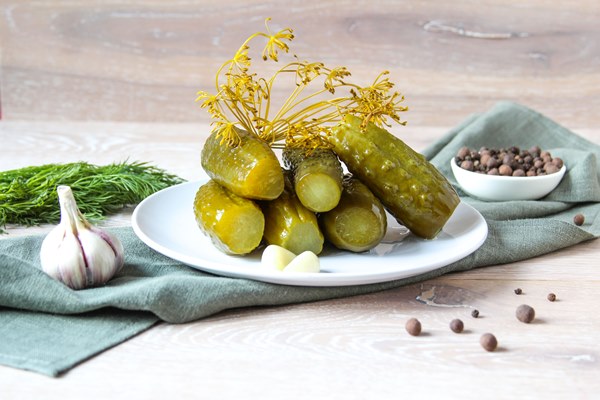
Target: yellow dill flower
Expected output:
[276,41]
[375,102]
[334,78]
[306,71]
[228,133]
[241,59]
[303,135]
[307,114]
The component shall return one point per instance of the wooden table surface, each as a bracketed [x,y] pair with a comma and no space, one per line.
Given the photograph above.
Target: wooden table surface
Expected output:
[100,82]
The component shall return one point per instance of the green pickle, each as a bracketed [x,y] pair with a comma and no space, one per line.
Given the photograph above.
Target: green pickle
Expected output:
[249,169]
[234,224]
[359,222]
[317,177]
[410,187]
[291,225]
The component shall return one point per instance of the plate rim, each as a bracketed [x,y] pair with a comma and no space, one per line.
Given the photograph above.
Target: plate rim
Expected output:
[298,278]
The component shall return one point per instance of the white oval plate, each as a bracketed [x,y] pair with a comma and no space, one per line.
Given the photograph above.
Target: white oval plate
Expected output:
[165,222]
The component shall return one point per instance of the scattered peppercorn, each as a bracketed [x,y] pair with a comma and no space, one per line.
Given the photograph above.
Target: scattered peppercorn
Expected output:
[578,219]
[413,327]
[456,325]
[525,313]
[475,313]
[518,291]
[508,162]
[488,342]
[551,297]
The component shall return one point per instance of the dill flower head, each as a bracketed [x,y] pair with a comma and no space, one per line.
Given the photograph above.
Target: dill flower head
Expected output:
[243,99]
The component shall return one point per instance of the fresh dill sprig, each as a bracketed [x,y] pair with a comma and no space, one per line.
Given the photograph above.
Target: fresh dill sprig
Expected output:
[28,195]
[243,99]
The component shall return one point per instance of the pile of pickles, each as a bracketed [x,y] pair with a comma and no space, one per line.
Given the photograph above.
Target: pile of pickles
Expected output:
[252,200]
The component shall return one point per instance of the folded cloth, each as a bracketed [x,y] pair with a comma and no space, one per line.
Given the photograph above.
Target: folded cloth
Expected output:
[49,328]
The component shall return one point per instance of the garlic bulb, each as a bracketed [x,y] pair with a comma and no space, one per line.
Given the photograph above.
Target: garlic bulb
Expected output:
[77,253]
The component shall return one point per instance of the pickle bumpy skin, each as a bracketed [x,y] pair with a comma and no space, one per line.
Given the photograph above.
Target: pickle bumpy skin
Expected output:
[249,168]
[408,185]
[291,225]
[234,224]
[359,222]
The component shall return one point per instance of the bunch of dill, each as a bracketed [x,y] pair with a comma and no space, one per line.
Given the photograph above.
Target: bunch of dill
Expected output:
[28,195]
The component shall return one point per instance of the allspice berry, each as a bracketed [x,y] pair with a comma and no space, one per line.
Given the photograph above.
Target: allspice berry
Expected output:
[413,327]
[505,170]
[510,161]
[578,219]
[456,325]
[488,342]
[551,297]
[525,313]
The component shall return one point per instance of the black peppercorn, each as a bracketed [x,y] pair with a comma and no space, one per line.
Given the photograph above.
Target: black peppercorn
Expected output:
[518,291]
[488,342]
[525,313]
[413,327]
[475,313]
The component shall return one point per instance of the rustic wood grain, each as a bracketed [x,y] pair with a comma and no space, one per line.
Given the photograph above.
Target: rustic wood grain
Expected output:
[145,61]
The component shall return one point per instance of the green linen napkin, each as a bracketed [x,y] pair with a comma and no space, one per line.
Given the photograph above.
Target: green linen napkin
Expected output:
[49,328]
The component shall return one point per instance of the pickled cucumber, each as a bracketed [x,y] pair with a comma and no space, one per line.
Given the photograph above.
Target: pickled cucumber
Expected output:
[234,224]
[291,225]
[317,177]
[249,169]
[410,187]
[359,222]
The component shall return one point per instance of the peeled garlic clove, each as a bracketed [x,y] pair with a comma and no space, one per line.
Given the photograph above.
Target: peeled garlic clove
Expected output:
[276,257]
[304,262]
[77,253]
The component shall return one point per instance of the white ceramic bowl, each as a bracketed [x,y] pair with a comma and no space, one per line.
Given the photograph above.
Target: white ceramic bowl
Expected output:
[505,188]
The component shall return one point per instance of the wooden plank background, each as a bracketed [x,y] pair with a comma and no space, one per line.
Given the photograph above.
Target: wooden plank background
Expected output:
[143,60]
